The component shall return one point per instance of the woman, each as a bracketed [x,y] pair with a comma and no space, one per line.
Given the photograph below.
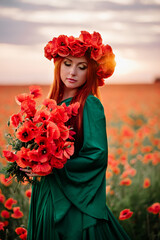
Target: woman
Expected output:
[70,204]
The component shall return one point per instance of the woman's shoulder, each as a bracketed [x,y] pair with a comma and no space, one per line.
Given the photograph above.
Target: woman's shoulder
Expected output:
[93,102]
[93,107]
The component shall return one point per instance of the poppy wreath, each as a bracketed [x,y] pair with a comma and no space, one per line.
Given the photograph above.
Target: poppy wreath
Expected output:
[86,43]
[41,140]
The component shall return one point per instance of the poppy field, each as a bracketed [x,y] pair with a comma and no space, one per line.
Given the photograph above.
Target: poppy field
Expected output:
[132,178]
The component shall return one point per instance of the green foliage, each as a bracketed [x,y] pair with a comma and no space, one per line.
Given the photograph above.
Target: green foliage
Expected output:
[12,169]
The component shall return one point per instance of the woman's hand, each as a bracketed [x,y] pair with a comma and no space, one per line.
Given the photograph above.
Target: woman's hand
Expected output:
[29,172]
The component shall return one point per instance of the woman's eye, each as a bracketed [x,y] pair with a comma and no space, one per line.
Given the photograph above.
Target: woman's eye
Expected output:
[83,67]
[67,63]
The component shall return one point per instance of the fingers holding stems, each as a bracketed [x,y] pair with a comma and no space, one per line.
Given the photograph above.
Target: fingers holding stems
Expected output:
[29,172]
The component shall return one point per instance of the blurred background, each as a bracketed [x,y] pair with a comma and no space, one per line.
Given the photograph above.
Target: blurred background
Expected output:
[131,27]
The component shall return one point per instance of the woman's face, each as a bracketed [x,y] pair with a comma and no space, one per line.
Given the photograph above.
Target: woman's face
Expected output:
[73,72]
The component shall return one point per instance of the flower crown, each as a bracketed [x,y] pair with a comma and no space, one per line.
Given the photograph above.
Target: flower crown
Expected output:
[86,43]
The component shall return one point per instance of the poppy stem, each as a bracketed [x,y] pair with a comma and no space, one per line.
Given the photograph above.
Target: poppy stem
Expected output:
[148,226]
[11,179]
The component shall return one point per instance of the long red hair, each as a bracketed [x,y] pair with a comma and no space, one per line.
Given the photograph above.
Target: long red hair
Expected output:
[90,87]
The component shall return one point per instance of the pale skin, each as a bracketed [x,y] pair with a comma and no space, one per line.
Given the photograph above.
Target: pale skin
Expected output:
[73,73]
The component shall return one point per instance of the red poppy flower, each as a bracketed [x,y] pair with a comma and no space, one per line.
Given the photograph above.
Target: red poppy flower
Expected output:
[100,75]
[35,91]
[41,116]
[2,197]
[75,107]
[109,175]
[28,193]
[56,163]
[6,223]
[116,170]
[146,149]
[16,119]
[52,131]
[107,50]
[50,104]
[101,82]
[28,107]
[43,153]
[5,181]
[20,230]
[59,115]
[25,134]
[132,172]
[10,156]
[43,129]
[147,158]
[68,109]
[23,236]
[50,50]
[60,149]
[85,37]
[23,158]
[146,183]
[62,46]
[64,131]
[156,158]
[78,48]
[32,126]
[125,214]
[17,213]
[33,156]
[127,132]
[9,202]
[41,140]
[124,174]
[2,226]
[5,214]
[154,208]
[106,62]
[96,38]
[96,52]
[42,169]
[64,150]
[22,97]
[126,182]
[68,149]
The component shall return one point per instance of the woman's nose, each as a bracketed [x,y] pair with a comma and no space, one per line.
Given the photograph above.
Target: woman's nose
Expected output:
[73,70]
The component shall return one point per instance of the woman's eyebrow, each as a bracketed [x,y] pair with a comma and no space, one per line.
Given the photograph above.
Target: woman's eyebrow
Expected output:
[68,59]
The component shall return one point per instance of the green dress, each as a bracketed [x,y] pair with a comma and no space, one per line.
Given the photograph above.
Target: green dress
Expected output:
[70,204]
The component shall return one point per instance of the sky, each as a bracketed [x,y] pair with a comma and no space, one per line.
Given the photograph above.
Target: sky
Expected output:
[131,27]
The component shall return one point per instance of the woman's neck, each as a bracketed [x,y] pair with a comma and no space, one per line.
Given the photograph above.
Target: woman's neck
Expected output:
[68,93]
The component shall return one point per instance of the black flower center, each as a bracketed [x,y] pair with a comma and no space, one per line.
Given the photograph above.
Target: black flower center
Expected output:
[25,134]
[44,151]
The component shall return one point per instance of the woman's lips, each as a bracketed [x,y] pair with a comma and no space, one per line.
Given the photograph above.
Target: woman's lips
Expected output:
[71,80]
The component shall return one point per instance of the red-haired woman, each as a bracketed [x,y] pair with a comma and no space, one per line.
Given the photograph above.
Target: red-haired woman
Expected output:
[70,204]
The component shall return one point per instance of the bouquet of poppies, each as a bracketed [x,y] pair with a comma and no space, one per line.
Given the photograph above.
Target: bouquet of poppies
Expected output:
[42,139]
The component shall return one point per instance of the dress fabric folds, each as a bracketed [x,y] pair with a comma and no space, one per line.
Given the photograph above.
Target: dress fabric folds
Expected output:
[70,204]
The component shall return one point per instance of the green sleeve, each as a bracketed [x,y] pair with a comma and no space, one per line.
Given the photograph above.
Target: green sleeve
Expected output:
[92,157]
[83,177]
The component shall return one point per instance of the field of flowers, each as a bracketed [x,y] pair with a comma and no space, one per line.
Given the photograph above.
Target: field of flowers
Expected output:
[133,181]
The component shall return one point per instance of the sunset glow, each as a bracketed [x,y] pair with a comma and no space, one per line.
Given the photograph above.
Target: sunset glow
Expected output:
[130,27]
